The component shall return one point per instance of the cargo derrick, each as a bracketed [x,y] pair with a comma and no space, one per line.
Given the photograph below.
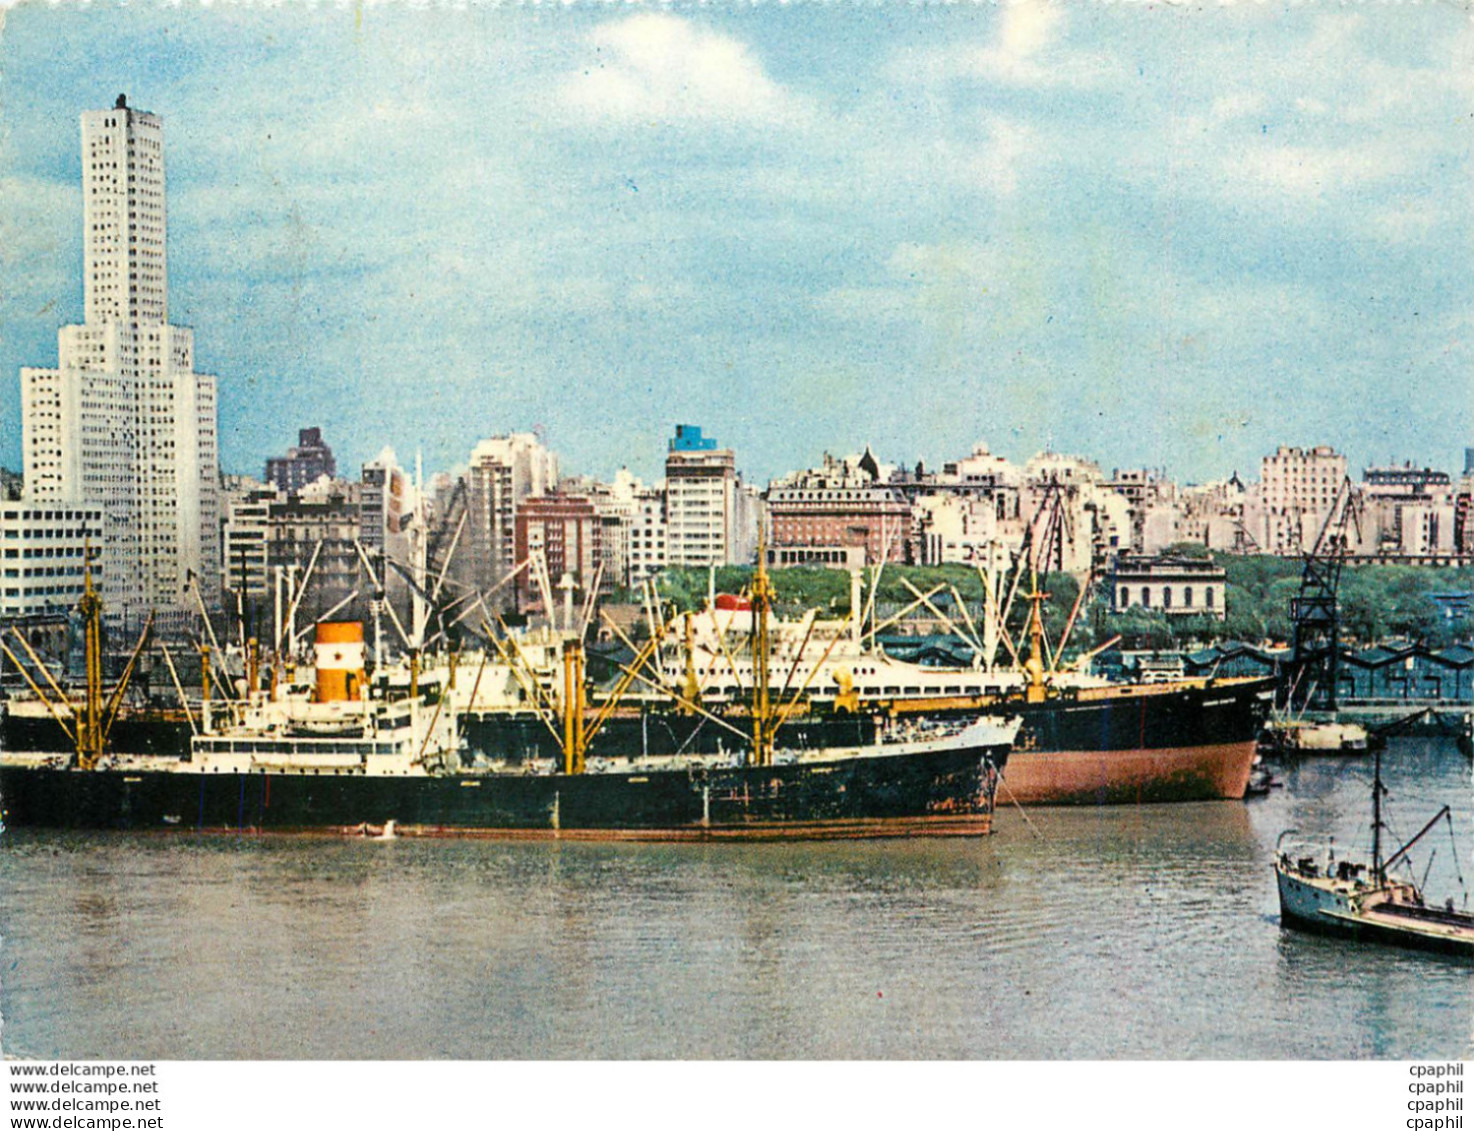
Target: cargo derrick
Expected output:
[92,719]
[762,721]
[770,705]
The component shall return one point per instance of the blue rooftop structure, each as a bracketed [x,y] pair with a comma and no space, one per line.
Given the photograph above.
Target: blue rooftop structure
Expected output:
[688,438]
[1454,606]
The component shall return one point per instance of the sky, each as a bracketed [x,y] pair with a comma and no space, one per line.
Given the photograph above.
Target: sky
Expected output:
[1158,235]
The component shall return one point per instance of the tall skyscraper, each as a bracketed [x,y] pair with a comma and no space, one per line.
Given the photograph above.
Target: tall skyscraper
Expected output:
[124,422]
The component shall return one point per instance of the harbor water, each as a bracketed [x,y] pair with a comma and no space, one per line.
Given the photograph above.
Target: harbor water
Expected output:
[1132,932]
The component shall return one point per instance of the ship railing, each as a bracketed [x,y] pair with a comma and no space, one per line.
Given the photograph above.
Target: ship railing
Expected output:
[305,748]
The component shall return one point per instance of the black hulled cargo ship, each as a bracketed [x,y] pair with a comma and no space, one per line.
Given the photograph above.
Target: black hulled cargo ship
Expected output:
[340,761]
[1119,744]
[939,786]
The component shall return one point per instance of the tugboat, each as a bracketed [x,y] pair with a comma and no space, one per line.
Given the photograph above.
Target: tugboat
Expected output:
[1361,900]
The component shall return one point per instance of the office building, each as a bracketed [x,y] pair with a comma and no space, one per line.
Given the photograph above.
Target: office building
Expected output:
[43,551]
[308,462]
[843,503]
[124,423]
[700,499]
[504,471]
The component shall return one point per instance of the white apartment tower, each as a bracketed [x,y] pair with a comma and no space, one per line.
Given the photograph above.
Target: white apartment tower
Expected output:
[124,422]
[505,471]
[700,499]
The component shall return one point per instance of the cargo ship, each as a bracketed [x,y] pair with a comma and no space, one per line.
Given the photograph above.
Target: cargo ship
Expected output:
[1083,740]
[1119,744]
[342,762]
[363,783]
[1139,743]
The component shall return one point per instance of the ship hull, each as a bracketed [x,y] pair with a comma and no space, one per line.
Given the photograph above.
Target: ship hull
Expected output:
[520,736]
[1131,746]
[161,733]
[1312,907]
[514,736]
[1156,744]
[947,792]
[1206,772]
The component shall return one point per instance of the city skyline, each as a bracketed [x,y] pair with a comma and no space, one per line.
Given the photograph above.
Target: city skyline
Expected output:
[1031,226]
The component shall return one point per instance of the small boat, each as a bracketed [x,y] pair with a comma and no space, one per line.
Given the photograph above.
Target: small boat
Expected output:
[1362,900]
[1261,781]
[1286,736]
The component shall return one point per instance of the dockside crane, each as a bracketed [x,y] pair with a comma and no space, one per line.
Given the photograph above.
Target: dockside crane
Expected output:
[1315,610]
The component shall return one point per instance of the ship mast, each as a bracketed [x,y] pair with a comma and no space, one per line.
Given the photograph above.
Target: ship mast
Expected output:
[762,604]
[96,718]
[1379,870]
[92,719]
[1035,691]
[575,743]
[89,723]
[691,685]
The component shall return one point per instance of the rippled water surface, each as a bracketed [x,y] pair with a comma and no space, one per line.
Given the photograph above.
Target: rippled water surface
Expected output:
[1147,932]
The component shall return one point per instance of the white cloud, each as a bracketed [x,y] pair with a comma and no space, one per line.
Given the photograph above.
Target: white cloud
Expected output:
[1011,145]
[1409,220]
[1027,26]
[657,67]
[1315,171]
[879,160]
[1239,312]
[864,304]
[1026,52]
[1237,105]
[922,283]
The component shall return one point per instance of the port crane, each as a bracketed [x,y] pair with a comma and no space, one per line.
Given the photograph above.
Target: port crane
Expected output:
[1315,610]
